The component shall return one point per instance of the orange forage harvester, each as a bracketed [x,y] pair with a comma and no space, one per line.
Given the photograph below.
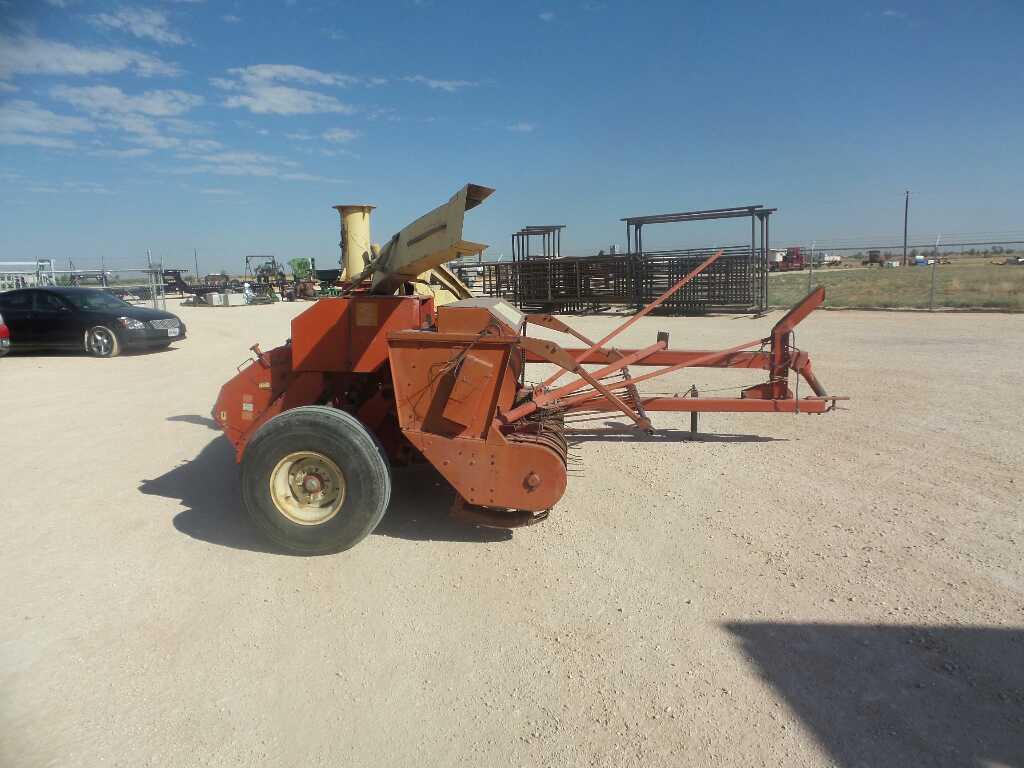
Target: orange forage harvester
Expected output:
[407,366]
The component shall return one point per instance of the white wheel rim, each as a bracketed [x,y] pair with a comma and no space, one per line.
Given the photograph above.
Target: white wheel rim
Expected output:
[100,341]
[307,488]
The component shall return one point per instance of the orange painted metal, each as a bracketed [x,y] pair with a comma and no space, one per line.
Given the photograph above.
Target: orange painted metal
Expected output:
[585,357]
[448,389]
[348,334]
[684,357]
[446,385]
[266,387]
[725,405]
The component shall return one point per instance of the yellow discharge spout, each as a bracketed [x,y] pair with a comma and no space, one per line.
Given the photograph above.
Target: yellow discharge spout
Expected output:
[356,248]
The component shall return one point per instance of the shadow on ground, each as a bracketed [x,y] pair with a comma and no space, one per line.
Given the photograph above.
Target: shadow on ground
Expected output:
[131,352]
[191,418]
[899,695]
[613,432]
[208,487]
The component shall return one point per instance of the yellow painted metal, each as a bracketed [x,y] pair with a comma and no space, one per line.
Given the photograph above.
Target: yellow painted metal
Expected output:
[356,249]
[428,242]
[440,278]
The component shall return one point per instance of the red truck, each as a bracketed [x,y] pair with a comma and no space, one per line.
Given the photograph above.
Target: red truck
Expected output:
[789,260]
[5,337]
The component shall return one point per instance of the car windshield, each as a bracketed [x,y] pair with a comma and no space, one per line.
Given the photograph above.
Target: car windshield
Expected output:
[96,300]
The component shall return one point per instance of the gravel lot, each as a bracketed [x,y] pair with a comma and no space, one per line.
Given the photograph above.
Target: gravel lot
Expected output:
[845,589]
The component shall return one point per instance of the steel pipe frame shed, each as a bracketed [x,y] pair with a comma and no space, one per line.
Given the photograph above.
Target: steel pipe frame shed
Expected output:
[757,213]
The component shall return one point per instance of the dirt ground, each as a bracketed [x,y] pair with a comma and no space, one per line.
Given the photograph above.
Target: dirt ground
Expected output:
[845,589]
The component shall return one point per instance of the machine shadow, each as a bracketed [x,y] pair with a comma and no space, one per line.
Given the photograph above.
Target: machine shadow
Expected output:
[899,695]
[192,418]
[208,486]
[613,432]
[419,510]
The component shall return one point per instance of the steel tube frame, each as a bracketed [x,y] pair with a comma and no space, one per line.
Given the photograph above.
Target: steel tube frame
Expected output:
[773,396]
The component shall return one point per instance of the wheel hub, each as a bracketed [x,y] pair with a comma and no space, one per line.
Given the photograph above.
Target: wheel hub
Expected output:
[307,487]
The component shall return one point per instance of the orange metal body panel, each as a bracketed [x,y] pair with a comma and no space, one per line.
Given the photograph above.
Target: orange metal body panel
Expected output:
[349,334]
[260,391]
[449,385]
[497,472]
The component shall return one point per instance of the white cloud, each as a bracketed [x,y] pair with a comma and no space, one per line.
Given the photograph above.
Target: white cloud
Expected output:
[441,85]
[230,18]
[232,163]
[300,136]
[547,16]
[141,22]
[220,191]
[339,153]
[144,117]
[310,177]
[25,123]
[340,135]
[100,99]
[122,154]
[49,142]
[29,55]
[90,187]
[225,84]
[258,88]
[203,145]
[8,88]
[180,125]
[293,73]
[522,127]
[251,164]
[892,14]
[282,100]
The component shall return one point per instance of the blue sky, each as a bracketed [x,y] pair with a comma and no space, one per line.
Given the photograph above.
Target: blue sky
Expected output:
[232,127]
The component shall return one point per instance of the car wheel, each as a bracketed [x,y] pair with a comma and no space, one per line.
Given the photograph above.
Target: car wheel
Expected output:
[315,480]
[102,342]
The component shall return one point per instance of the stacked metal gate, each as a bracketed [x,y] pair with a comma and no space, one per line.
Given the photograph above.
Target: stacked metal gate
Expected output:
[594,283]
[543,281]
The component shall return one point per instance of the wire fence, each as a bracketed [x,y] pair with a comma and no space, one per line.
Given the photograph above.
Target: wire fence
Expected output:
[133,284]
[993,281]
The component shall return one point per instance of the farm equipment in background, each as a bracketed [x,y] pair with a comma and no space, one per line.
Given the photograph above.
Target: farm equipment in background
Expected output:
[789,260]
[205,293]
[265,280]
[384,376]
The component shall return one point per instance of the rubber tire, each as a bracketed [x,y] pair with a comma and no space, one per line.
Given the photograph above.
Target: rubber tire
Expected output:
[115,350]
[342,438]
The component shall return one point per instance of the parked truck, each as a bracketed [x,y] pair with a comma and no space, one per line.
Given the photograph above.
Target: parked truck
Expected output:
[788,260]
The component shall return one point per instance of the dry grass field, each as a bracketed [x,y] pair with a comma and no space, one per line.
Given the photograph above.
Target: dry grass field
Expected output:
[965,283]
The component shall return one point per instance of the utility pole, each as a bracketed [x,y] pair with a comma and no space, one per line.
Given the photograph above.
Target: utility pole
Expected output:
[906,216]
[196,254]
[810,273]
[931,292]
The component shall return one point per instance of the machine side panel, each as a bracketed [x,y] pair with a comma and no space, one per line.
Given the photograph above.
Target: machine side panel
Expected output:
[371,319]
[444,386]
[496,473]
[320,337]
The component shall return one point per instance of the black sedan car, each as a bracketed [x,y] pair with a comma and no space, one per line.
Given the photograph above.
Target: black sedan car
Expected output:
[86,319]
